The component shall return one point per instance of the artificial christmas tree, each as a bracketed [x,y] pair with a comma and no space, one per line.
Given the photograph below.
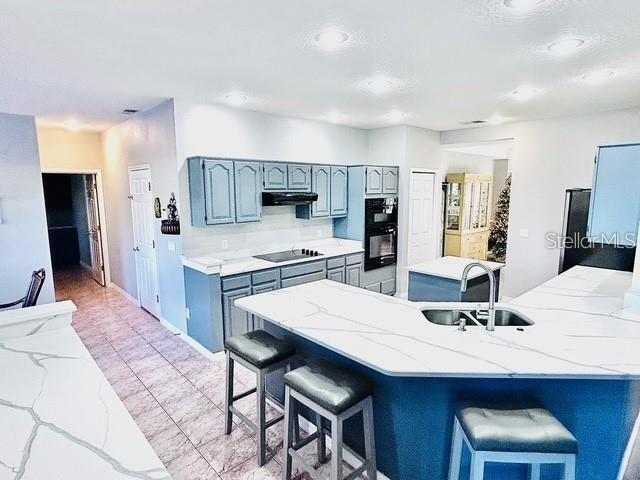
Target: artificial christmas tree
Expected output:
[500,224]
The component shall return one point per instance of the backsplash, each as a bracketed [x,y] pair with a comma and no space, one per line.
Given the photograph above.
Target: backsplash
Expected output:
[278,226]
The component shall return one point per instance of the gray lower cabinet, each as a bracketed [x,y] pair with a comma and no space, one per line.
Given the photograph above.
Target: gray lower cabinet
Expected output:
[336,274]
[382,280]
[374,287]
[248,190]
[339,185]
[236,321]
[353,276]
[266,287]
[321,184]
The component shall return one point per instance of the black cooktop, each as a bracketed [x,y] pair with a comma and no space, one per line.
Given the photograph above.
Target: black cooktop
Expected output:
[288,255]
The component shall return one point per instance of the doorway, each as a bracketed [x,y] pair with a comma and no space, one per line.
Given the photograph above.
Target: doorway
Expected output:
[73,209]
[142,215]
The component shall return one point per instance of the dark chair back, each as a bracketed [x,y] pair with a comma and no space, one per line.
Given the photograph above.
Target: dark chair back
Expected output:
[37,280]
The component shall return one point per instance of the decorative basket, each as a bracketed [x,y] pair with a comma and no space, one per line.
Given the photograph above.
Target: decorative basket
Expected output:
[170,227]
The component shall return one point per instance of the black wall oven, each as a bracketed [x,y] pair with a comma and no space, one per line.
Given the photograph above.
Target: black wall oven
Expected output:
[380,232]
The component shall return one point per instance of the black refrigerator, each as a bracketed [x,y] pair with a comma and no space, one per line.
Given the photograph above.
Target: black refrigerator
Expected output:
[577,249]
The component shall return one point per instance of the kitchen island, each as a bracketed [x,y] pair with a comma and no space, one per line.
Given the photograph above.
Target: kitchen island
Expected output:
[579,359]
[60,417]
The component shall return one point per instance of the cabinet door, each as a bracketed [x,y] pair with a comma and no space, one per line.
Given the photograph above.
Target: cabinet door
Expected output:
[258,322]
[374,287]
[338,191]
[236,321]
[248,186]
[353,274]
[390,180]
[320,184]
[219,191]
[275,176]
[299,178]
[336,274]
[374,181]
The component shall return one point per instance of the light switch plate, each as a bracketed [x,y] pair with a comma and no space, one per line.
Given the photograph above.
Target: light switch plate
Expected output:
[171,246]
[225,244]
[524,233]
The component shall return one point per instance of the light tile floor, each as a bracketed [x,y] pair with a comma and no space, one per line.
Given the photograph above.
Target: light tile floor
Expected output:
[173,392]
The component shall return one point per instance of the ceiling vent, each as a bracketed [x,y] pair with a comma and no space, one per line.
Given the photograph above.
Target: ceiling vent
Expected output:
[129,111]
[473,122]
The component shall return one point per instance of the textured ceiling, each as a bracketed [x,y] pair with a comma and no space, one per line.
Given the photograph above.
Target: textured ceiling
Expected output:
[452,60]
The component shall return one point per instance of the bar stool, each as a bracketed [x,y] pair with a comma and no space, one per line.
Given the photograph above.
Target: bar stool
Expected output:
[261,353]
[336,394]
[531,435]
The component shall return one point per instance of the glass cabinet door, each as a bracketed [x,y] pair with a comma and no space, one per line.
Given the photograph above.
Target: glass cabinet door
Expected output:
[468,204]
[484,204]
[453,206]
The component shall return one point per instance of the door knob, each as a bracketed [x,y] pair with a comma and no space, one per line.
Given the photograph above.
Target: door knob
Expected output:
[137,249]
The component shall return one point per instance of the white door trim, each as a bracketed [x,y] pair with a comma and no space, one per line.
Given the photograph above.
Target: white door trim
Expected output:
[101,211]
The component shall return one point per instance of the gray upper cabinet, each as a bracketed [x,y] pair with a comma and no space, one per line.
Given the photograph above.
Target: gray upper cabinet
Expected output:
[339,185]
[275,176]
[390,180]
[248,188]
[373,185]
[320,184]
[218,191]
[299,178]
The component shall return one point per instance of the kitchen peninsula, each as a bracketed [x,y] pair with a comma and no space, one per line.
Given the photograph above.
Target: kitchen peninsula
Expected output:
[578,359]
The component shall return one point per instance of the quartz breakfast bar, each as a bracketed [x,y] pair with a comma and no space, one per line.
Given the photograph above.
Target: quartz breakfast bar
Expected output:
[579,360]
[60,417]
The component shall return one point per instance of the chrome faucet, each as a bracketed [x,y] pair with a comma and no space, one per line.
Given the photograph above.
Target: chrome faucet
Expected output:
[491,320]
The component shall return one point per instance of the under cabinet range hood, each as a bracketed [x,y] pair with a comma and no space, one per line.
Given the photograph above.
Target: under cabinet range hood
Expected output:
[288,198]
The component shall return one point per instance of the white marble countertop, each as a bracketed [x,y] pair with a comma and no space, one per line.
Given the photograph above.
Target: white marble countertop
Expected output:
[580,330]
[452,267]
[60,417]
[215,263]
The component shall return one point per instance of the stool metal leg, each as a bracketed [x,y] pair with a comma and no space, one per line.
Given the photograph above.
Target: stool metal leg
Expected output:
[320,443]
[570,468]
[336,448]
[261,433]
[477,467]
[228,396]
[288,433]
[534,471]
[456,451]
[369,439]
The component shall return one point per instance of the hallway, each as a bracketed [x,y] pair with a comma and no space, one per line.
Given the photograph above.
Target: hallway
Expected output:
[173,392]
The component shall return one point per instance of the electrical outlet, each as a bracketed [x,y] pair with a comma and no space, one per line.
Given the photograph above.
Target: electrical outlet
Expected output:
[187,313]
[225,244]
[319,233]
[524,233]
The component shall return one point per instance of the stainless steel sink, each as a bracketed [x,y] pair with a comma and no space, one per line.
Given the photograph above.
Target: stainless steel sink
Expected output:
[447,317]
[505,317]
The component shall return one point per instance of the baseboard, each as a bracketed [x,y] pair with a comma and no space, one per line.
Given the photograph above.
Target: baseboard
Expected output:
[187,339]
[124,293]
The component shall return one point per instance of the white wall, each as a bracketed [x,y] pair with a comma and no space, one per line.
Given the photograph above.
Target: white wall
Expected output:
[548,157]
[408,147]
[456,162]
[147,138]
[24,241]
[219,131]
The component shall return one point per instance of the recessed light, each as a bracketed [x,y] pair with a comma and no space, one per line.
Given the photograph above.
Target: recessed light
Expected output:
[331,39]
[72,124]
[524,93]
[565,46]
[496,119]
[334,116]
[598,76]
[235,98]
[395,116]
[379,84]
[522,5]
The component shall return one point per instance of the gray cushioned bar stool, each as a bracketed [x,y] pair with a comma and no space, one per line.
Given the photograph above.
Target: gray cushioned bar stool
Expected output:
[261,353]
[531,436]
[336,394]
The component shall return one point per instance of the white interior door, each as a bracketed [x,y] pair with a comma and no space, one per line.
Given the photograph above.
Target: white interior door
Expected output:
[143,239]
[95,236]
[423,223]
